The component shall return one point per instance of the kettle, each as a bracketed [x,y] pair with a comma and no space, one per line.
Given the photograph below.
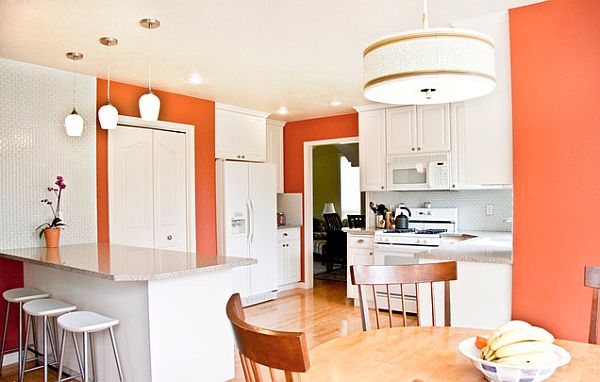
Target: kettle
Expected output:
[401,221]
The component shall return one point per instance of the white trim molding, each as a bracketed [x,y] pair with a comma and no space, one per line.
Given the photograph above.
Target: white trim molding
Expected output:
[237,109]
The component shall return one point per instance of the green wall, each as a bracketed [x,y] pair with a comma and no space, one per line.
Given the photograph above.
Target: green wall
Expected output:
[326,179]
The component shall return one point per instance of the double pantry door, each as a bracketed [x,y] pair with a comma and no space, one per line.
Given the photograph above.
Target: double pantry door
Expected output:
[147,188]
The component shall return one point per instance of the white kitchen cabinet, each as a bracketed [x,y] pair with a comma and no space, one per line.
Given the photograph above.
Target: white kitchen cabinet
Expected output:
[359,252]
[482,127]
[240,134]
[481,297]
[288,256]
[372,151]
[417,129]
[275,149]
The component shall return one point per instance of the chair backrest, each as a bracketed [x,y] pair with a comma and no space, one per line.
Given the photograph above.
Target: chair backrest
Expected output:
[277,350]
[356,221]
[388,275]
[333,222]
[592,280]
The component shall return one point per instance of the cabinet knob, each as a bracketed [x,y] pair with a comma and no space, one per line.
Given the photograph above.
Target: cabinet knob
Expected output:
[360,241]
[169,237]
[285,234]
[418,149]
[243,156]
[413,149]
[370,253]
[382,187]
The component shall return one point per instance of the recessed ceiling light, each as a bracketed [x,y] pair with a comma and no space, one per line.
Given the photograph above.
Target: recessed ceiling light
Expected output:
[282,110]
[194,79]
[335,103]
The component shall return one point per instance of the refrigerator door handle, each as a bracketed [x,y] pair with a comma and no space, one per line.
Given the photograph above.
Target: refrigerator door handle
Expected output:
[248,223]
[251,220]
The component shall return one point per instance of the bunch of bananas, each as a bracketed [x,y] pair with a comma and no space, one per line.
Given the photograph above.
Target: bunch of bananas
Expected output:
[520,344]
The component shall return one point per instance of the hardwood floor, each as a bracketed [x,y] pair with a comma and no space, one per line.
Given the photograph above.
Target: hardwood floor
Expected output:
[323,313]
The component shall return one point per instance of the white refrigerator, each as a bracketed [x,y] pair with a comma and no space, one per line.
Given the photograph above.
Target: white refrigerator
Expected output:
[247,225]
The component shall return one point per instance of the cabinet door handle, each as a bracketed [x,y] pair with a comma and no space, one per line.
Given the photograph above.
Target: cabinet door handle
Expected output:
[359,241]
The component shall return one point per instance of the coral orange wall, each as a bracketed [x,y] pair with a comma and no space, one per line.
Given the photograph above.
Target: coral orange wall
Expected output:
[174,108]
[555,53]
[294,136]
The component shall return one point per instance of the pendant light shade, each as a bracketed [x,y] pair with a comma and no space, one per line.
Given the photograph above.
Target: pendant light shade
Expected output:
[149,106]
[149,103]
[74,124]
[73,121]
[429,66]
[108,115]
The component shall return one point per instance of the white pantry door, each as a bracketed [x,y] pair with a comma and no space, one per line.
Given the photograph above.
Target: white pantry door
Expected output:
[147,188]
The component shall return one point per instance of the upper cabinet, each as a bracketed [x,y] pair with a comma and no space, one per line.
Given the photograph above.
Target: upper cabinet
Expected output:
[240,134]
[418,129]
[482,127]
[275,149]
[371,149]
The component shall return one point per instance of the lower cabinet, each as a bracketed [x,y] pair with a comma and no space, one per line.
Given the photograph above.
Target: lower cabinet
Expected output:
[288,256]
[359,252]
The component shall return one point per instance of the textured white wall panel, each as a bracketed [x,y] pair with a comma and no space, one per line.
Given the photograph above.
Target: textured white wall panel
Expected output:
[34,149]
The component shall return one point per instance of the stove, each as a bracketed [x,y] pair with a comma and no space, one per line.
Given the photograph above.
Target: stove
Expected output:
[425,228]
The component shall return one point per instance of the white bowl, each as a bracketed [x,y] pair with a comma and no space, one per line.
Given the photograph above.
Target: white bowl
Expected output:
[506,373]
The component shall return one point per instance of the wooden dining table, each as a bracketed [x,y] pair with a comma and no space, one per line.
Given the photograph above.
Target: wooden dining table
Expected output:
[423,354]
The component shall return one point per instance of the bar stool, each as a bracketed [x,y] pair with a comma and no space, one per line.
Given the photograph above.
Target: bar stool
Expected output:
[17,296]
[46,309]
[87,323]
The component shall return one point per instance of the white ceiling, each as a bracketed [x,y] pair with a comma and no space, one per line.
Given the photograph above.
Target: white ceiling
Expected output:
[259,54]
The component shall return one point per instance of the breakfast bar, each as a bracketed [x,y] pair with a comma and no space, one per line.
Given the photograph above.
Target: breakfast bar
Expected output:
[171,306]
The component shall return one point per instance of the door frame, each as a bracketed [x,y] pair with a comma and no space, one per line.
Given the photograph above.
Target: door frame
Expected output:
[308,202]
[190,178]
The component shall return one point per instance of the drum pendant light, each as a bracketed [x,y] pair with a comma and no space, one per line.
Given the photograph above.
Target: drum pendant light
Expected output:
[149,103]
[108,115]
[73,121]
[429,66]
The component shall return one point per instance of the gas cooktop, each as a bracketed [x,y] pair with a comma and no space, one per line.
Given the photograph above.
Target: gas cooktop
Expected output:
[431,231]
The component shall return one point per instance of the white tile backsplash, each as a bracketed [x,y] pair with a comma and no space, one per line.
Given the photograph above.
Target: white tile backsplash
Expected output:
[471,205]
[34,149]
[291,205]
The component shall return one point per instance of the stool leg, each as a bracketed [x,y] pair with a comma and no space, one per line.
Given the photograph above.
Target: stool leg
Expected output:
[62,355]
[77,354]
[23,360]
[45,347]
[51,338]
[114,346]
[20,351]
[4,335]
[35,341]
[85,357]
[92,357]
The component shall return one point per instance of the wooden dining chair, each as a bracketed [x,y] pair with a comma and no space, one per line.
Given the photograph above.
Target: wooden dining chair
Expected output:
[592,280]
[364,276]
[281,352]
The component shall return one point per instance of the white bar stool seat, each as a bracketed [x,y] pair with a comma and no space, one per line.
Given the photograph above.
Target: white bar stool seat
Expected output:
[83,321]
[45,308]
[17,296]
[87,323]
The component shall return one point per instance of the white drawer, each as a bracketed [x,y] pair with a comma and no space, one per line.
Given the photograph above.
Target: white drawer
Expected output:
[360,241]
[285,234]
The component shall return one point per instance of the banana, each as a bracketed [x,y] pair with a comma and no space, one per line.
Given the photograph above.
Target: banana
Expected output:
[534,359]
[532,333]
[525,347]
[508,326]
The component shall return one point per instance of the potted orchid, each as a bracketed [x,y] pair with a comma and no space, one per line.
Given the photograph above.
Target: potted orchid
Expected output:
[51,231]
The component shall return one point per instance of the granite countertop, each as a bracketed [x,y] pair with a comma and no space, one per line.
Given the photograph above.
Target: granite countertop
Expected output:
[484,247]
[124,263]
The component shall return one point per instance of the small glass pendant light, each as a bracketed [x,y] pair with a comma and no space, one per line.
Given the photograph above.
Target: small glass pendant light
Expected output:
[73,121]
[108,115]
[149,103]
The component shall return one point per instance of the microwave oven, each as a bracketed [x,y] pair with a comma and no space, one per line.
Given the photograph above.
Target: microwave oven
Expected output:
[423,172]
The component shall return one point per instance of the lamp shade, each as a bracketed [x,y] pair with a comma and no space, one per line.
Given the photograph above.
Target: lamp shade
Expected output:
[149,106]
[429,66]
[108,115]
[74,124]
[329,208]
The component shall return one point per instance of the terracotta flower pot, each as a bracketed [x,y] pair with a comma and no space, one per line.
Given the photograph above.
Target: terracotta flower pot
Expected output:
[52,236]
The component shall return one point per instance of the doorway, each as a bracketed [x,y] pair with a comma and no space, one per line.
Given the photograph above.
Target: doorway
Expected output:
[151,185]
[332,174]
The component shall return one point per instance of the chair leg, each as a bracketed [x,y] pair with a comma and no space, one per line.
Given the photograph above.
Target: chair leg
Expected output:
[114,346]
[4,335]
[62,355]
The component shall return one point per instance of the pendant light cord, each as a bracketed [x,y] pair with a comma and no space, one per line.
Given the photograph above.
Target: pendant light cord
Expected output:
[425,16]
[150,57]
[73,81]
[108,75]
